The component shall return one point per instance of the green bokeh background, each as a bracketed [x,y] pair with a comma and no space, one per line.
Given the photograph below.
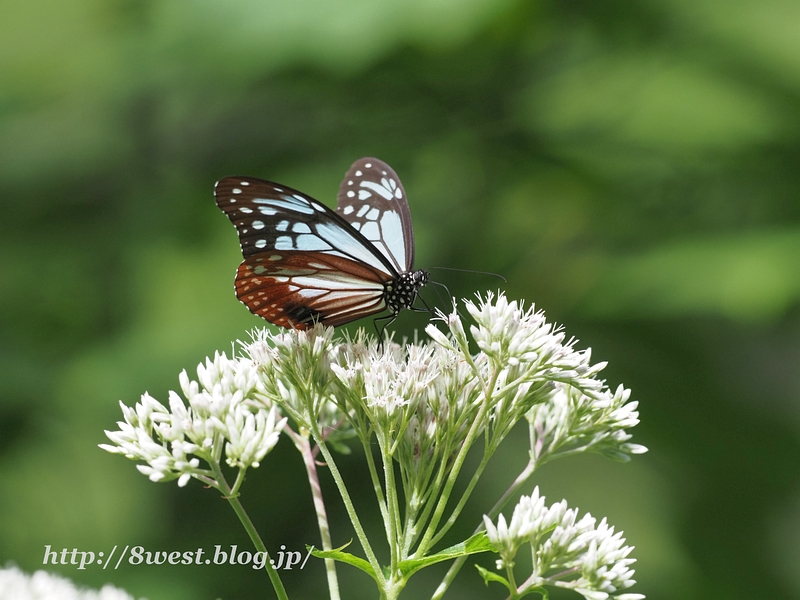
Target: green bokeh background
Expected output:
[630,167]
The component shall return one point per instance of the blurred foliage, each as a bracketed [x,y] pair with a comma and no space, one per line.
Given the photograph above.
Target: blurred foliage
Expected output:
[630,167]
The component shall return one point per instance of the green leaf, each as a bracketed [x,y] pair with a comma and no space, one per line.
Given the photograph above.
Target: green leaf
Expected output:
[475,544]
[491,576]
[346,557]
[340,447]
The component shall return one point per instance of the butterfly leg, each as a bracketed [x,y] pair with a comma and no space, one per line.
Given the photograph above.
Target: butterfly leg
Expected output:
[427,308]
[381,330]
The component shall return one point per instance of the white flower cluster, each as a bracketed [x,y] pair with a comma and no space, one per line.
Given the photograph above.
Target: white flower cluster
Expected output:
[424,401]
[573,421]
[538,371]
[221,414]
[387,383]
[47,586]
[568,552]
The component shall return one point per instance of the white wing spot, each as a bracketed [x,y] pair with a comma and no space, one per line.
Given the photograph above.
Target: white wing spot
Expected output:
[233,199]
[368,165]
[266,210]
[258,224]
[282,226]
[301,228]
[373,214]
[350,194]
[356,226]
[382,190]
[244,183]
[392,234]
[244,230]
[363,194]
[370,231]
[398,194]
[276,257]
[359,173]
[287,202]
[246,210]
[363,210]
[311,242]
[383,172]
[307,293]
[349,208]
[346,245]
[318,207]
[261,243]
[350,182]
[236,191]
[284,242]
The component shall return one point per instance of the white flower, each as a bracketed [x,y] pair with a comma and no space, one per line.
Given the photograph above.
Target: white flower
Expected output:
[220,408]
[572,421]
[251,436]
[531,519]
[47,586]
[568,552]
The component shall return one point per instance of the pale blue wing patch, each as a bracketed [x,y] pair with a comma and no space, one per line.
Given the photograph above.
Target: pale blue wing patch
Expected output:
[271,218]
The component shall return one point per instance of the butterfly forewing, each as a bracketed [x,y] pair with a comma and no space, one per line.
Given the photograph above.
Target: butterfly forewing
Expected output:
[303,262]
[268,216]
[372,199]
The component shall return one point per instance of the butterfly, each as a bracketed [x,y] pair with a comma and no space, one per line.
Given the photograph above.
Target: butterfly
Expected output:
[305,263]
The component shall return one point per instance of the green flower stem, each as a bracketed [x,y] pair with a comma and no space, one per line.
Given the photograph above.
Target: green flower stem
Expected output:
[410,526]
[460,506]
[303,444]
[223,486]
[376,484]
[413,531]
[480,418]
[351,511]
[512,581]
[432,489]
[524,476]
[392,505]
[425,544]
[238,483]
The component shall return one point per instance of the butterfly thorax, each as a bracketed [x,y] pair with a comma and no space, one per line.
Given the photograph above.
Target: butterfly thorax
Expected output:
[401,292]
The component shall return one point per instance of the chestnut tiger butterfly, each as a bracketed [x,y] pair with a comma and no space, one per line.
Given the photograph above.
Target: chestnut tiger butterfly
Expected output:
[305,263]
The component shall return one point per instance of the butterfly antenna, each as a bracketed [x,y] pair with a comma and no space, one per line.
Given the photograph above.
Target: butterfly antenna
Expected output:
[470,271]
[449,295]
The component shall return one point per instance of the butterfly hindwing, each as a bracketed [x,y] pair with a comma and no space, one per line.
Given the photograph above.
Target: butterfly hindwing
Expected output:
[295,289]
[372,199]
